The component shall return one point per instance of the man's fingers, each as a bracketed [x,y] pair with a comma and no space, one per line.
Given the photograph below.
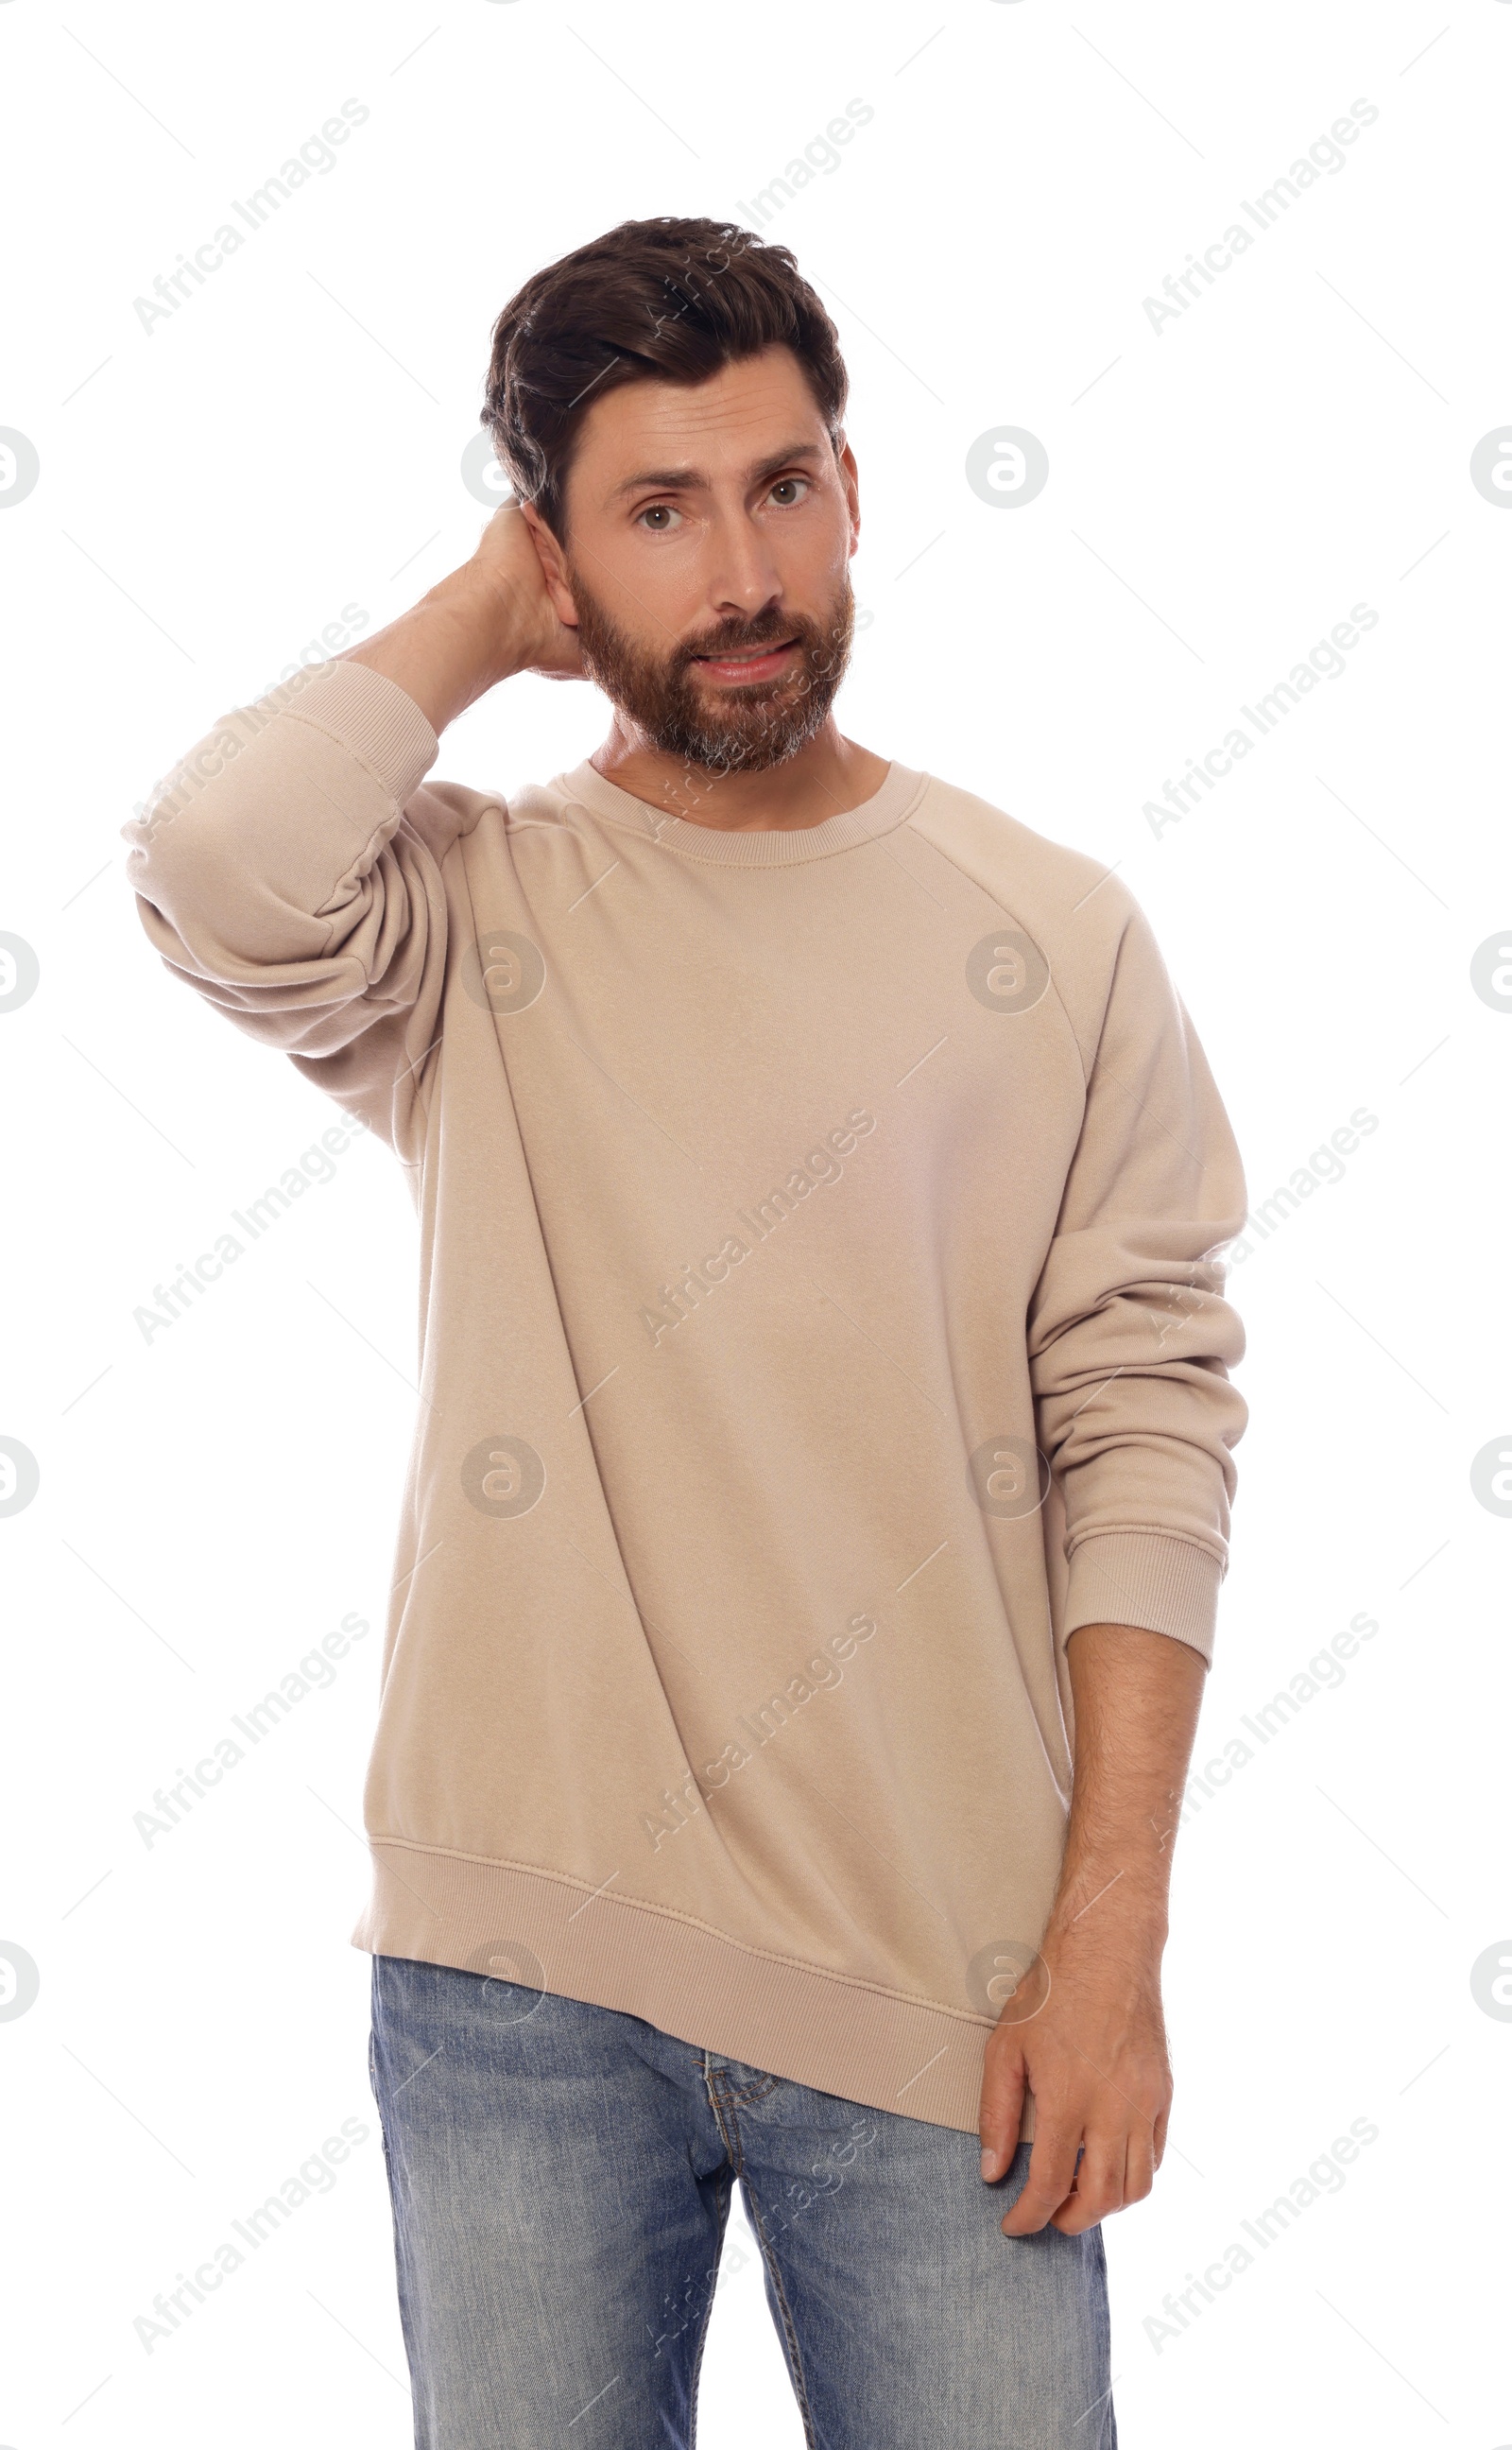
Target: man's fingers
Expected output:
[1100,2188]
[1139,2167]
[1003,2098]
[1052,2166]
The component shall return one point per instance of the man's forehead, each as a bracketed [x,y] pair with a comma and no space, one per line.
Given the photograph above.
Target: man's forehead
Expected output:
[745,412]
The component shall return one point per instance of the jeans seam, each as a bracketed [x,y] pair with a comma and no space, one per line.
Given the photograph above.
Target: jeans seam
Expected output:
[709,2315]
[748,2096]
[729,2127]
[789,2332]
[760,2087]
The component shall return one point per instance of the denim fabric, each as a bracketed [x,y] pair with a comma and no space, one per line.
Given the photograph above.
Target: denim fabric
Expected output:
[561,2175]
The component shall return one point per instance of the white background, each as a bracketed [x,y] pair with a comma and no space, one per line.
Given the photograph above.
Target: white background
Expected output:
[1221,493]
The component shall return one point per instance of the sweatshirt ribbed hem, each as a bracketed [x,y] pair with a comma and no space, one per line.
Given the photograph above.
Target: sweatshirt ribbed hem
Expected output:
[849,2038]
[1144,1578]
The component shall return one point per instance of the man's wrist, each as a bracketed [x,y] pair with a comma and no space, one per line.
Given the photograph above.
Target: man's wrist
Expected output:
[451,648]
[1109,1916]
[481,625]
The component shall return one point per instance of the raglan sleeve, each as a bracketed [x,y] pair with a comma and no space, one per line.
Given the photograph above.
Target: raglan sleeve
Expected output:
[289,869]
[1131,1336]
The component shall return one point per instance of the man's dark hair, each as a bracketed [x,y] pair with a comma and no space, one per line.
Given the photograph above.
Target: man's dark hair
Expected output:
[673,301]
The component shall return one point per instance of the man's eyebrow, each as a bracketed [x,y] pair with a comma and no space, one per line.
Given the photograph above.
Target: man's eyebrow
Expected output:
[680,479]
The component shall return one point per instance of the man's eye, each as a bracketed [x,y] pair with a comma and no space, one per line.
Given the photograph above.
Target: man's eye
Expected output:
[793,487]
[662,514]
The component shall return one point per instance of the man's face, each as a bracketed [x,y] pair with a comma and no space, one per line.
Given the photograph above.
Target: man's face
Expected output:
[705,561]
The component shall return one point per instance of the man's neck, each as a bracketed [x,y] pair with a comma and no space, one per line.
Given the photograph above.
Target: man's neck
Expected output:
[828,776]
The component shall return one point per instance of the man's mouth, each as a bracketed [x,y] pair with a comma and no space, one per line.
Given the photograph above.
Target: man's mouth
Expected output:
[747,663]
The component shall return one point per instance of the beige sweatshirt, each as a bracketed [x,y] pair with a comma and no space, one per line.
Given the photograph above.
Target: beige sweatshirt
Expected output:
[821,1317]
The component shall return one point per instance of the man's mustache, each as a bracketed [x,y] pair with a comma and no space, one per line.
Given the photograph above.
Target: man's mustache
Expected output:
[769,630]
[734,639]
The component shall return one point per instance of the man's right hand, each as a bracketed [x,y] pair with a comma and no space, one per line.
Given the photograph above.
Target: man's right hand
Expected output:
[484,621]
[507,561]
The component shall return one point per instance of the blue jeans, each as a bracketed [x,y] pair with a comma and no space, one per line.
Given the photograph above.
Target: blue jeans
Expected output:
[560,2177]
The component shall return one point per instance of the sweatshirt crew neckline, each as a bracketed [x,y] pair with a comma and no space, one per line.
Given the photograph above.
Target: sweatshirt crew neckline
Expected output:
[900,791]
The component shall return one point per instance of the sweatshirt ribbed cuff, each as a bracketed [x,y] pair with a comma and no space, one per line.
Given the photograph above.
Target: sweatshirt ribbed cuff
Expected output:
[370,716]
[1147,1578]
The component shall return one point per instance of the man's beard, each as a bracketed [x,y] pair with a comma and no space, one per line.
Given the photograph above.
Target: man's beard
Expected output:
[747,726]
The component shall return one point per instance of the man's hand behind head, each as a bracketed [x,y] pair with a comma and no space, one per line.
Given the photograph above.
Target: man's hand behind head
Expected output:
[509,565]
[485,620]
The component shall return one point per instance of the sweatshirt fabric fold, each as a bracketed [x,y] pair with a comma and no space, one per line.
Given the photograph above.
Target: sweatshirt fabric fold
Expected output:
[822,1315]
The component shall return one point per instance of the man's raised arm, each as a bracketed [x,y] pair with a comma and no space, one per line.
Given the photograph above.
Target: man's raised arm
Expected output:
[289,867]
[482,622]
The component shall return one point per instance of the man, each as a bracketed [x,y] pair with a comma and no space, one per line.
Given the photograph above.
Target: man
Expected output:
[820,1488]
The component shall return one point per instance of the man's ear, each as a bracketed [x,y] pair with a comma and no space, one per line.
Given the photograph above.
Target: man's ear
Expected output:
[850,478]
[553,566]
